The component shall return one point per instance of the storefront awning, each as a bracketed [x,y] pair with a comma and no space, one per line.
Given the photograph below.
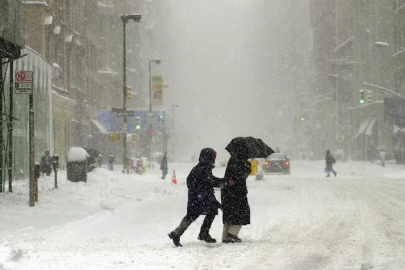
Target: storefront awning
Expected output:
[99,126]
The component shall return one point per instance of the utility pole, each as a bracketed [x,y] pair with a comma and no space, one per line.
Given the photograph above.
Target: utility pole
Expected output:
[10,129]
[124,106]
[33,185]
[125,18]
[1,125]
[150,115]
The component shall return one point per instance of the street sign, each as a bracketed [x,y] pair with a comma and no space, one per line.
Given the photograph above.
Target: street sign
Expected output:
[125,113]
[23,82]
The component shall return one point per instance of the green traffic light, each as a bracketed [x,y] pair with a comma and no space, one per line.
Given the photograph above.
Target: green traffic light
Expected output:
[361,101]
[302,119]
[138,126]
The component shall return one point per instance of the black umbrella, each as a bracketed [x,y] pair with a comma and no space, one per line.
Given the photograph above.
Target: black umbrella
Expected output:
[248,147]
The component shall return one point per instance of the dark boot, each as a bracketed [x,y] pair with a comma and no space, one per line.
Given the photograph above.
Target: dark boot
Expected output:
[228,239]
[205,228]
[178,232]
[206,238]
[234,238]
[176,239]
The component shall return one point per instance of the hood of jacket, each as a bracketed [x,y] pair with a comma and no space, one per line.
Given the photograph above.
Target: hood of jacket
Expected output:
[207,156]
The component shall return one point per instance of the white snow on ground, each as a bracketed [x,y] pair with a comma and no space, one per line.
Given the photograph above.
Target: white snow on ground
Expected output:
[299,221]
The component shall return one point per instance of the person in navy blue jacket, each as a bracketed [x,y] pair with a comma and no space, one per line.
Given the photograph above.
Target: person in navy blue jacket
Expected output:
[201,197]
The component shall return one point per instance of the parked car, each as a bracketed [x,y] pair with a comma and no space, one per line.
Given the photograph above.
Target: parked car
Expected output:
[277,163]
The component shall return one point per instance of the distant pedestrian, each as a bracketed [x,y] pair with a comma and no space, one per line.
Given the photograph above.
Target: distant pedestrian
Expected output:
[111,162]
[397,153]
[163,166]
[201,197]
[330,160]
[382,157]
[46,164]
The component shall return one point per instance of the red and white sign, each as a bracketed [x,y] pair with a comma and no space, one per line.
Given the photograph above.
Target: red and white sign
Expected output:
[23,82]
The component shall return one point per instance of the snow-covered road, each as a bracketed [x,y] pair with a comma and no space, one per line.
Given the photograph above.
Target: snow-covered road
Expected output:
[299,221]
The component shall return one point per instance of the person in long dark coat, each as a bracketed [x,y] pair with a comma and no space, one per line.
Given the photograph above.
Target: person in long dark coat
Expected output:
[163,166]
[201,197]
[235,205]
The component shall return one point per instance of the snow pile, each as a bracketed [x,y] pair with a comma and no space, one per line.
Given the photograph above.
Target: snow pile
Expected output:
[76,154]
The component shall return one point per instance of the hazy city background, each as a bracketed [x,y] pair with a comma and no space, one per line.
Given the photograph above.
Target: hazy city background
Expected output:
[303,76]
[229,68]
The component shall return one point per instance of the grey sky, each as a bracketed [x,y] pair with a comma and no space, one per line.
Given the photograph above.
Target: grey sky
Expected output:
[213,75]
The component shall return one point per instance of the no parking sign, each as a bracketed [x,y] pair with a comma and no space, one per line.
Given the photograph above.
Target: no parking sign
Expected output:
[23,82]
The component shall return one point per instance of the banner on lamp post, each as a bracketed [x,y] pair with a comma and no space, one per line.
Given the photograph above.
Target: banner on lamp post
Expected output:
[157,90]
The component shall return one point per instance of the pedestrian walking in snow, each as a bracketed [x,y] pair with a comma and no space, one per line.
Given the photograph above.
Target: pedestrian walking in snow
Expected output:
[46,164]
[382,157]
[201,197]
[235,205]
[330,160]
[163,166]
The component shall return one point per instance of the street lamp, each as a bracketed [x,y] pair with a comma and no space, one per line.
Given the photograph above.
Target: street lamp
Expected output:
[382,44]
[336,77]
[174,135]
[126,18]
[157,62]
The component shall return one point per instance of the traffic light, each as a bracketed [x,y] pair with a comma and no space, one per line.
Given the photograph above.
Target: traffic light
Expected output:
[302,118]
[369,96]
[137,123]
[362,97]
[128,93]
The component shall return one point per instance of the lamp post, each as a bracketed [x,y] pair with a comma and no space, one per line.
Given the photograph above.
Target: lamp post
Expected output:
[336,77]
[174,135]
[126,18]
[381,44]
[150,116]
[166,86]
[383,89]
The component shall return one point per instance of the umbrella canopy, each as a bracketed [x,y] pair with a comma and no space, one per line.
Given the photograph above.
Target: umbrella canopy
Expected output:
[248,147]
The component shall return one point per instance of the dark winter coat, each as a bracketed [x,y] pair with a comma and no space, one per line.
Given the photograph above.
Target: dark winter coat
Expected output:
[46,165]
[235,205]
[329,159]
[201,183]
[163,163]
